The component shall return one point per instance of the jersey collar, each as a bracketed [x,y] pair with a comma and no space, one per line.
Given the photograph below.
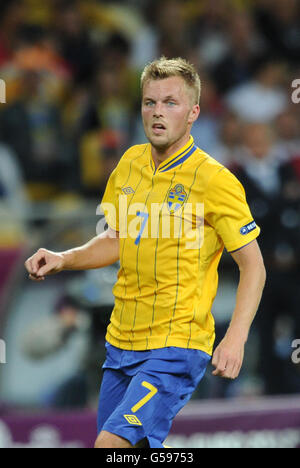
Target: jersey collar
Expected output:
[175,159]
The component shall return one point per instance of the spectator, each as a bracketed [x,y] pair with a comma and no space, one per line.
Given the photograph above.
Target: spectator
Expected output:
[12,16]
[100,151]
[32,127]
[279,23]
[206,129]
[75,44]
[210,20]
[262,98]
[167,32]
[226,150]
[287,126]
[37,49]
[174,35]
[12,190]
[115,90]
[273,194]
[244,47]
[48,337]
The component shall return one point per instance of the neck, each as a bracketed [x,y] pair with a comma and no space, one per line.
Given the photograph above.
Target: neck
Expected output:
[159,155]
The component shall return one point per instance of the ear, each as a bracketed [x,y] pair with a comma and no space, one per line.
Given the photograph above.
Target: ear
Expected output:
[194,114]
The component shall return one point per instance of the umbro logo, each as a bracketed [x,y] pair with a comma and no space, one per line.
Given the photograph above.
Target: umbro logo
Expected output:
[132,419]
[128,190]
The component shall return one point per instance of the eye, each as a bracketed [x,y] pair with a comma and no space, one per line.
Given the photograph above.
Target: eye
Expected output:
[149,103]
[171,103]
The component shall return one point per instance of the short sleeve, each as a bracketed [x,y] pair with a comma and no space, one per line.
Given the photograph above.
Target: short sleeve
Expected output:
[227,211]
[110,202]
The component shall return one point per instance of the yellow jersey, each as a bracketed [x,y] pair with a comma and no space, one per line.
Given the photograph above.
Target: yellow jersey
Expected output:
[173,222]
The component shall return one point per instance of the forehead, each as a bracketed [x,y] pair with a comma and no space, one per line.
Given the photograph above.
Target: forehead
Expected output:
[173,86]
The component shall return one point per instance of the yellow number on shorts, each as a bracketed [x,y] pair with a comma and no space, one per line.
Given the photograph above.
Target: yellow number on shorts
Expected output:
[143,401]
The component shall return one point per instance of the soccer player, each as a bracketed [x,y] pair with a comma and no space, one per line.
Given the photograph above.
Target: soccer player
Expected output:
[170,209]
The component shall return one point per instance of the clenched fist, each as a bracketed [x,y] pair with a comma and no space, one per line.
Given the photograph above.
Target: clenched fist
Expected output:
[44,263]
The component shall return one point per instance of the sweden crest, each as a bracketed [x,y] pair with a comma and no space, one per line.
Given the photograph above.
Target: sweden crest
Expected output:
[176,198]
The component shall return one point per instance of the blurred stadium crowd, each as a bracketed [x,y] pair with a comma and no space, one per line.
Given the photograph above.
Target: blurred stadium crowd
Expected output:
[72,70]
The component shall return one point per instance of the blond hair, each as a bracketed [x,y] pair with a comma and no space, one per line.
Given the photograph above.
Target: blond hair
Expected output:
[166,68]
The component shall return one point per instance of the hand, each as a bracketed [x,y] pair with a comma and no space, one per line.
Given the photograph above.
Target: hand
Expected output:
[44,263]
[228,358]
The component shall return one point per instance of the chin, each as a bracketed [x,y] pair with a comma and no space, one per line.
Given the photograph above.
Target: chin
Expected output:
[159,143]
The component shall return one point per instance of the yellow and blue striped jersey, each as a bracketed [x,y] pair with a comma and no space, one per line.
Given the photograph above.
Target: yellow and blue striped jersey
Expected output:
[174,222]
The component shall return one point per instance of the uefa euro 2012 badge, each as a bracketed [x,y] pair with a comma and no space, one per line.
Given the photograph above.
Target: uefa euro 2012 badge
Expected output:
[248,228]
[176,198]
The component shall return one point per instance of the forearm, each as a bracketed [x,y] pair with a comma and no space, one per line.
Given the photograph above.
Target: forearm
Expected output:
[229,354]
[99,252]
[249,293]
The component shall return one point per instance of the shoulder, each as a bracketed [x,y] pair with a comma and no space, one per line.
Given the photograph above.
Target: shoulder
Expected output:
[134,152]
[219,179]
[215,172]
[224,179]
[210,166]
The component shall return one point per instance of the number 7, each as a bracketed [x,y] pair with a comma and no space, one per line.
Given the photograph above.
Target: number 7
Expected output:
[145,216]
[144,400]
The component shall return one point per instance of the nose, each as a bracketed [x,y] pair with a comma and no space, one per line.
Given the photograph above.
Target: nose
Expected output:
[157,111]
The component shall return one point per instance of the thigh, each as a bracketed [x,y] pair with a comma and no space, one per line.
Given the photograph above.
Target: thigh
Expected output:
[150,403]
[113,388]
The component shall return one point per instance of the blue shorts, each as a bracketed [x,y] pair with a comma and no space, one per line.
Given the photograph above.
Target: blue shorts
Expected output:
[142,391]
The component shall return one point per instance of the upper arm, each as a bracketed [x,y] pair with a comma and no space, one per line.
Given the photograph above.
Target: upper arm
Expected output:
[227,211]
[249,256]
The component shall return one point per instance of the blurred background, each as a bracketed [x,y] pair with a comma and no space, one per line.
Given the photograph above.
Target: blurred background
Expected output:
[72,72]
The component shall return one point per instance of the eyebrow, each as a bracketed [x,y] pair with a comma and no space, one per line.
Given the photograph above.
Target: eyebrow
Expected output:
[165,99]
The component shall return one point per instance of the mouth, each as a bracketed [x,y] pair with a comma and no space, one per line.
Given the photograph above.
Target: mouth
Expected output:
[158,128]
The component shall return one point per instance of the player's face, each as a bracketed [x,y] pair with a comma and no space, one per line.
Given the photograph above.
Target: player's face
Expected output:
[168,113]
